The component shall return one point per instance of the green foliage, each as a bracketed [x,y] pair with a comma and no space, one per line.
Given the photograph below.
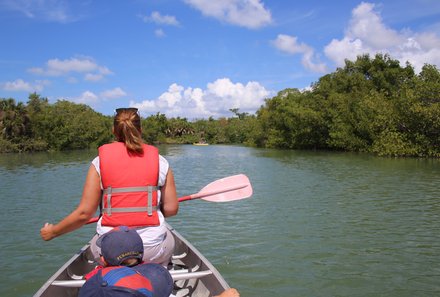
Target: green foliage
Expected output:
[41,126]
[293,120]
[16,128]
[371,105]
[203,131]
[66,125]
[392,143]
[154,128]
[180,130]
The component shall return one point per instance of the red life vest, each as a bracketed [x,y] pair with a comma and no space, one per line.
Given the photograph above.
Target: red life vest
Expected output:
[130,186]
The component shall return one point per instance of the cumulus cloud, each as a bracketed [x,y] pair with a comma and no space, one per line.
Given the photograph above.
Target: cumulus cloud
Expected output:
[157,18]
[86,97]
[245,13]
[367,34]
[290,45]
[19,85]
[92,99]
[83,65]
[113,93]
[216,100]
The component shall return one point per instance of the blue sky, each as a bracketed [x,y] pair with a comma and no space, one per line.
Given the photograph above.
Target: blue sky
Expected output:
[198,58]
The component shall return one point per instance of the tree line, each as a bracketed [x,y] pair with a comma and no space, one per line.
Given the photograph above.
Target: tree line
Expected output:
[372,105]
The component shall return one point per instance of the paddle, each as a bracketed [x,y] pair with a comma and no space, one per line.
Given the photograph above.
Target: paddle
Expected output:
[226,189]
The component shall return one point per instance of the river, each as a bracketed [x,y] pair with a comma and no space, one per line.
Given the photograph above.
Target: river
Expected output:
[318,223]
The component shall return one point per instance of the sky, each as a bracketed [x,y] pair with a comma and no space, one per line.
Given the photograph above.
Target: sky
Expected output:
[199,58]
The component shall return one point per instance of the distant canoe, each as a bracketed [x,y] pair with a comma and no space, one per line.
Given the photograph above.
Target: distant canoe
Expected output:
[200,143]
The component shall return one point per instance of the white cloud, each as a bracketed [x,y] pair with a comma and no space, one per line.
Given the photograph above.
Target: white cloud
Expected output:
[367,25]
[83,65]
[367,34]
[159,33]
[157,18]
[86,97]
[339,50]
[216,100]
[91,98]
[113,93]
[93,77]
[246,13]
[20,85]
[49,10]
[290,45]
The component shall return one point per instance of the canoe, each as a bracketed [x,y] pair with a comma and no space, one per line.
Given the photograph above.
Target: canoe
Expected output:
[193,274]
[200,143]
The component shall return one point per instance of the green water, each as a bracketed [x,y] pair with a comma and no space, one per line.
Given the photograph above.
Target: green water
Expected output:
[318,224]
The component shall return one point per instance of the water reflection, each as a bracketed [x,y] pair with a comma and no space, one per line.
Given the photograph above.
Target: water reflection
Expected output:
[318,224]
[40,159]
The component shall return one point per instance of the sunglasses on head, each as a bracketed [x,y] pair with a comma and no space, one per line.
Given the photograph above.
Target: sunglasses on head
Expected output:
[130,109]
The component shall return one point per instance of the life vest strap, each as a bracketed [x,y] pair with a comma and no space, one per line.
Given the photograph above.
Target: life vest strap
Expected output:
[110,190]
[149,208]
[127,209]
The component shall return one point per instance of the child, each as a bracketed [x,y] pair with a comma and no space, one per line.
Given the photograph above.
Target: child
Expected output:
[119,247]
[122,269]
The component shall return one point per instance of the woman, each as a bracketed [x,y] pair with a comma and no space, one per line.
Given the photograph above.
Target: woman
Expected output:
[135,187]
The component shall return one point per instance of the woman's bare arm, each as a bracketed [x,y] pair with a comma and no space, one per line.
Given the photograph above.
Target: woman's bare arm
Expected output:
[169,202]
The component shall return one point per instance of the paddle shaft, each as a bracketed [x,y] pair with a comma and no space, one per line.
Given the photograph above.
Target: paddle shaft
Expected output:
[211,193]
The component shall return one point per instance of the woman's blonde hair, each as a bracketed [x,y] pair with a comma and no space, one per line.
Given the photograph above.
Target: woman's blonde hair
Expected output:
[127,129]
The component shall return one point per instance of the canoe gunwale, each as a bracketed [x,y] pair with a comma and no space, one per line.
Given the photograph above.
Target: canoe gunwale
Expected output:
[62,269]
[202,258]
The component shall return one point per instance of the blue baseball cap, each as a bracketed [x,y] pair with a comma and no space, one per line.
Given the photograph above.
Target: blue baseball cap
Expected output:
[121,281]
[120,244]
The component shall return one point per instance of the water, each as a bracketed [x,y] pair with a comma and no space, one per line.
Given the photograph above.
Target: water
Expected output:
[318,224]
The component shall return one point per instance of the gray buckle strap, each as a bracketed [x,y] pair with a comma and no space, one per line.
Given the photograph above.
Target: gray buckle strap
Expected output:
[110,190]
[150,202]
[149,208]
[128,209]
[109,200]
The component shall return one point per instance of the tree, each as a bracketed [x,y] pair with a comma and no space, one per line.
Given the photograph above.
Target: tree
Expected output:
[154,127]
[66,125]
[180,129]
[292,120]
[15,126]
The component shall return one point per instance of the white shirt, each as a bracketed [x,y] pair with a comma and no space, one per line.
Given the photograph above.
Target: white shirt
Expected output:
[151,236]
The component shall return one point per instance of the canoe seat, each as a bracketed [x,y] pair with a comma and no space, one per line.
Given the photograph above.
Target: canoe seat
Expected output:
[181,256]
[74,283]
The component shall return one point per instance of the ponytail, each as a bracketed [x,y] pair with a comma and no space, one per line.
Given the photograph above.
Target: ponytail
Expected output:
[127,129]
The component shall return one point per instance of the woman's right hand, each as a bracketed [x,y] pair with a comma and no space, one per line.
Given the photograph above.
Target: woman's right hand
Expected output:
[47,232]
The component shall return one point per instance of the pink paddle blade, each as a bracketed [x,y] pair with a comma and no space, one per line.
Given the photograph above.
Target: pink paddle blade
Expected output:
[227,189]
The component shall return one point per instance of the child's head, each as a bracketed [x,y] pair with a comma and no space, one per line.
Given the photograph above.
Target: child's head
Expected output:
[121,246]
